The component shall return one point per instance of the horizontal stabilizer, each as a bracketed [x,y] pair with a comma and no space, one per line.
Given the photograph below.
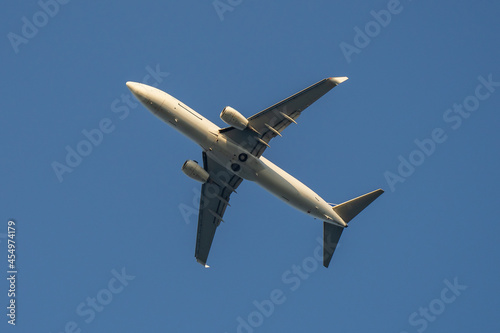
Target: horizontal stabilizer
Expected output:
[349,209]
[331,236]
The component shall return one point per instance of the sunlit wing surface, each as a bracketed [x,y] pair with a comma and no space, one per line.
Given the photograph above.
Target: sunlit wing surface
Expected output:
[214,200]
[270,122]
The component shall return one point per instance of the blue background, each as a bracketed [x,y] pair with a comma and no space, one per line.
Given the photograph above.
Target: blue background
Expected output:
[128,206]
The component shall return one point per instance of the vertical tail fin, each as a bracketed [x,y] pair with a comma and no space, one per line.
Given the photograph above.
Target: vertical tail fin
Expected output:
[347,211]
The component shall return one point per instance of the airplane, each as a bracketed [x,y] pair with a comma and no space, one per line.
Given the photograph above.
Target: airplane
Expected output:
[234,153]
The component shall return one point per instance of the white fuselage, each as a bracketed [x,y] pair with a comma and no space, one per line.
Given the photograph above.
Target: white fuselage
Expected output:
[226,152]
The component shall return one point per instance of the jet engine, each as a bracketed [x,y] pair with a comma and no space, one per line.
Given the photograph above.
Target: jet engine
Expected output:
[233,118]
[193,170]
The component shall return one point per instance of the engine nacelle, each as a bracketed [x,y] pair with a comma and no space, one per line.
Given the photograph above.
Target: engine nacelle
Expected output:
[193,170]
[233,118]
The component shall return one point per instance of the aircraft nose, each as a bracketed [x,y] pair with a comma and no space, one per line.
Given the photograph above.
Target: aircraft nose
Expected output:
[137,89]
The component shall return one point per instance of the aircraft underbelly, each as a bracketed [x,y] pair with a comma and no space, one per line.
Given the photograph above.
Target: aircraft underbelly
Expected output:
[292,191]
[269,176]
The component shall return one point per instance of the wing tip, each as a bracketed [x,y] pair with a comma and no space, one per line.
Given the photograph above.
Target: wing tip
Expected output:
[203,263]
[338,80]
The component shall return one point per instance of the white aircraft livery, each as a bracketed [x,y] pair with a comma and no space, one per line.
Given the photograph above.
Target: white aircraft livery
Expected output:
[234,153]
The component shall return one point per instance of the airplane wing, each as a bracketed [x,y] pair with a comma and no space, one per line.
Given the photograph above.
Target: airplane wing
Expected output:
[270,122]
[214,200]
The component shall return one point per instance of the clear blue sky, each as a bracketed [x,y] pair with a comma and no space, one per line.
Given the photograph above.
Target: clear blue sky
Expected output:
[423,88]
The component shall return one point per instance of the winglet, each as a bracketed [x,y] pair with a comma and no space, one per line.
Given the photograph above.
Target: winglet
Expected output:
[338,80]
[201,262]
